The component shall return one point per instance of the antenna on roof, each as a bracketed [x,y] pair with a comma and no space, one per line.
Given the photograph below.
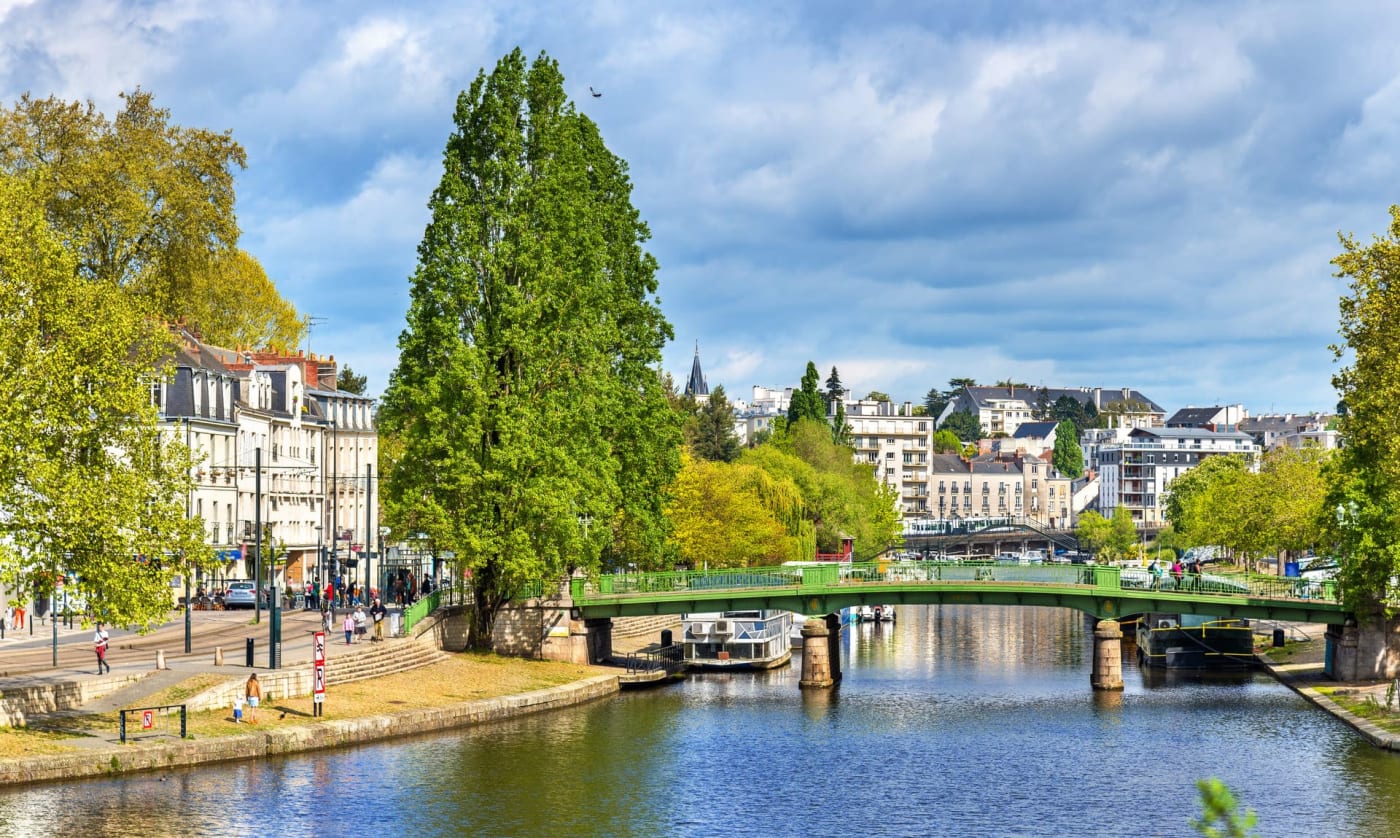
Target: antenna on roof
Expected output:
[311,321]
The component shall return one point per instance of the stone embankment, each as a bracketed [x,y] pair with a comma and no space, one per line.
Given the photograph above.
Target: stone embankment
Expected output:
[120,759]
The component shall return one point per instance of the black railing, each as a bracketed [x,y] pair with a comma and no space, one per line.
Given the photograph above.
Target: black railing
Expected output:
[656,657]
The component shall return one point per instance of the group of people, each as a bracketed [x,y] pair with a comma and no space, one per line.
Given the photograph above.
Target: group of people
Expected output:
[356,622]
[1178,572]
[14,617]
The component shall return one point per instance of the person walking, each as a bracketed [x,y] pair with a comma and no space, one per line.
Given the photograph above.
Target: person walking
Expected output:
[348,625]
[252,691]
[377,612]
[360,623]
[100,642]
[1154,573]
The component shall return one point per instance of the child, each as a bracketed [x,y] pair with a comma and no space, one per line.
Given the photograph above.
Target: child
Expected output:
[237,709]
[349,626]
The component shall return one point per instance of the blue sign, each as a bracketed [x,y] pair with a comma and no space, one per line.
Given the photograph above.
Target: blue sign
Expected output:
[230,555]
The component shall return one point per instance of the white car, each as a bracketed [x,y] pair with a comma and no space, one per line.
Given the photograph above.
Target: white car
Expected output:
[240,595]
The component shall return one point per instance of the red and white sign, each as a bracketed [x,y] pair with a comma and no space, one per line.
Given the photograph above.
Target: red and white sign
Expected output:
[148,719]
[318,672]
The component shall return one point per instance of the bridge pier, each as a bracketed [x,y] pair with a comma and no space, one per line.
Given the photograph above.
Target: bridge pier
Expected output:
[1364,649]
[816,655]
[833,637]
[1107,673]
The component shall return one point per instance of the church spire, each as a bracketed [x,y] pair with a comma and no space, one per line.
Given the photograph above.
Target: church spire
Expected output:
[695,385]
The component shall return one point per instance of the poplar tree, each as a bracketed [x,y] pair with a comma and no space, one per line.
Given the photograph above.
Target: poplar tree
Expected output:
[1363,499]
[89,488]
[536,435]
[1068,456]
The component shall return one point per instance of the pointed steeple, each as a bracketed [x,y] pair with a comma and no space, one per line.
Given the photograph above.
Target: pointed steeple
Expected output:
[695,386]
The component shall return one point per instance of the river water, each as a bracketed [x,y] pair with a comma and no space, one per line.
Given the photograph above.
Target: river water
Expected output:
[960,720]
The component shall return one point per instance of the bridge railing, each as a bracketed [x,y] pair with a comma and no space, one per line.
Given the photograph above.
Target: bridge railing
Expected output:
[1105,579]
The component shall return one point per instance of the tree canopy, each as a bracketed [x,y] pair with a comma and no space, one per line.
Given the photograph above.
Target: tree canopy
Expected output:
[964,425]
[714,432]
[347,381]
[1363,496]
[89,486]
[536,432]
[807,401]
[148,206]
[1068,456]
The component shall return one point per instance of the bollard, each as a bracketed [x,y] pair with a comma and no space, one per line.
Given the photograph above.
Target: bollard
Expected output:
[218,656]
[160,659]
[1278,638]
[249,652]
[665,638]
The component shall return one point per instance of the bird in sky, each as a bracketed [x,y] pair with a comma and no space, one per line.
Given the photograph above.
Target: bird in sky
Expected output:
[595,93]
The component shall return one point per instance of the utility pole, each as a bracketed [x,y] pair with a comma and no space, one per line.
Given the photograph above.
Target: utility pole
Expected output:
[369,531]
[257,534]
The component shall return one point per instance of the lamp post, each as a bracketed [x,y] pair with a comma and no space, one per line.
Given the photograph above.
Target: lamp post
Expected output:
[320,562]
[257,535]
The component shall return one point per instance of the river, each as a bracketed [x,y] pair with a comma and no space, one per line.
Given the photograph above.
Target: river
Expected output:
[960,720]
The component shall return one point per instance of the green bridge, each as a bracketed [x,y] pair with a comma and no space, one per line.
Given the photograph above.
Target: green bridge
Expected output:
[1102,591]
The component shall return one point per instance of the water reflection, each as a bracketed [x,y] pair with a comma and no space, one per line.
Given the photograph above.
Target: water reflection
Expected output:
[955,720]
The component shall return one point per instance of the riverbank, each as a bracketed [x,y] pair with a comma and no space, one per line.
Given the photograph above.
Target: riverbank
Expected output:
[464,691]
[1298,665]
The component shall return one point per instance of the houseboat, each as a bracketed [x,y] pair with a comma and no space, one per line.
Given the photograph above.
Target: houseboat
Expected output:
[1194,641]
[729,640]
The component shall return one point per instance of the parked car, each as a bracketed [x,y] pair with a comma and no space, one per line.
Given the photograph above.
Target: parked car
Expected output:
[240,595]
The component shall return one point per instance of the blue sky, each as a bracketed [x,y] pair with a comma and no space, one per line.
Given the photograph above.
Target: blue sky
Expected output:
[1066,193]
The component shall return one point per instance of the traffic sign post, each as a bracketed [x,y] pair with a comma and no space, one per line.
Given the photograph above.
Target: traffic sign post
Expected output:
[318,673]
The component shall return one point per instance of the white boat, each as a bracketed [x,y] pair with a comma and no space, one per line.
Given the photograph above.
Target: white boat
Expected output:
[867,614]
[737,639]
[884,613]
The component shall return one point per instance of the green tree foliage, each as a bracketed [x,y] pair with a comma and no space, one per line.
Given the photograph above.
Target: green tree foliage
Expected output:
[1068,456]
[835,390]
[1010,382]
[537,436]
[736,515]
[1044,408]
[1280,508]
[1109,539]
[840,497]
[348,382]
[1364,478]
[946,442]
[935,401]
[148,206]
[1220,815]
[840,428]
[964,425]
[1070,409]
[88,484]
[807,401]
[877,396]
[714,436]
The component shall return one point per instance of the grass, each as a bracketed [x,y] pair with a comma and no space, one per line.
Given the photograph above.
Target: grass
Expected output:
[463,677]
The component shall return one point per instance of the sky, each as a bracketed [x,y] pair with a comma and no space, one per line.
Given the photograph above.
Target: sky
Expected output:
[1065,193]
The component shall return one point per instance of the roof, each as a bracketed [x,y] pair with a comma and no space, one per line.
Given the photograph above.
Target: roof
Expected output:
[1035,429]
[1189,433]
[1194,416]
[983,396]
[695,385]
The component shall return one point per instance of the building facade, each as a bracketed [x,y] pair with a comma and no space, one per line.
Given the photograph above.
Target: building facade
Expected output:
[898,444]
[999,487]
[1136,472]
[1001,410]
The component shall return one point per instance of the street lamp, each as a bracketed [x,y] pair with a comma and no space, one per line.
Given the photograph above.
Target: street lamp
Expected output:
[320,564]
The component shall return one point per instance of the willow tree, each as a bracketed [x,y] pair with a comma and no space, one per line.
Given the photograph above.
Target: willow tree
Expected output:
[88,486]
[1364,493]
[148,206]
[536,436]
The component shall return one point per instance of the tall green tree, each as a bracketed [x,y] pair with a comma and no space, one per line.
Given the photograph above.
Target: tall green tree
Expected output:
[1364,477]
[835,390]
[1068,456]
[840,428]
[1044,408]
[537,436]
[148,206]
[715,438]
[807,401]
[964,425]
[88,484]
[946,442]
[347,381]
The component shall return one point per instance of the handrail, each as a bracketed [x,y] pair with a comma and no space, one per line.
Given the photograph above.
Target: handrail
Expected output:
[1100,579]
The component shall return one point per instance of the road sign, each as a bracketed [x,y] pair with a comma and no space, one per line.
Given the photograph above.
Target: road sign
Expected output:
[319,686]
[318,655]
[148,719]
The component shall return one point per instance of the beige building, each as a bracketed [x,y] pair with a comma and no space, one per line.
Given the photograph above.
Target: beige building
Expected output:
[899,445]
[987,487]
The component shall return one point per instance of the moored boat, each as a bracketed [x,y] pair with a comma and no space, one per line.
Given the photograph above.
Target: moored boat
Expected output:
[1194,641]
[731,640]
[884,613]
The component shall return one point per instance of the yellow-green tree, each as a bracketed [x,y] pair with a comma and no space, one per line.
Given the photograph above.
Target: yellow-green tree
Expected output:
[723,515]
[88,485]
[147,206]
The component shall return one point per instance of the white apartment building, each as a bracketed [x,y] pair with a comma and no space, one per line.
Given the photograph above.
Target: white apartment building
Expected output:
[349,446]
[1136,472]
[898,444]
[1001,410]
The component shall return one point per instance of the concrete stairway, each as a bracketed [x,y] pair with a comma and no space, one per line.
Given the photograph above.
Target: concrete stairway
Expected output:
[386,658]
